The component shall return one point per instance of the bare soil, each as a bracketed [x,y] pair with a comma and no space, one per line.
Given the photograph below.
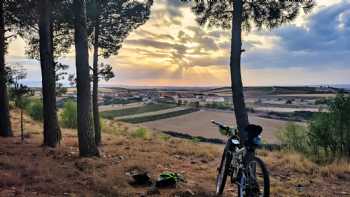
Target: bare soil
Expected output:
[199,124]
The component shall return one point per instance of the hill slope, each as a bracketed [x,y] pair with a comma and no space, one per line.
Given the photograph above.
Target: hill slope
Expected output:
[30,170]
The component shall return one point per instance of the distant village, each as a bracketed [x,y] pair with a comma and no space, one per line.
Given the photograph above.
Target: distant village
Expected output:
[197,97]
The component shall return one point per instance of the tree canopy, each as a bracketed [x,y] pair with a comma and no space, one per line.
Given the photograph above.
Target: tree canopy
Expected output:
[115,20]
[256,13]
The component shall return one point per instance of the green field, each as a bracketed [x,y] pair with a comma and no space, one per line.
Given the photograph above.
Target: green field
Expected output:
[159,116]
[136,110]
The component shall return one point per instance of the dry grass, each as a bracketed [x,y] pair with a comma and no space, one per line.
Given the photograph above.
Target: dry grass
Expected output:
[340,169]
[30,170]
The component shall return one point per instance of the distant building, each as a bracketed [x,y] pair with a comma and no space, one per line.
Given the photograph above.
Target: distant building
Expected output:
[214,99]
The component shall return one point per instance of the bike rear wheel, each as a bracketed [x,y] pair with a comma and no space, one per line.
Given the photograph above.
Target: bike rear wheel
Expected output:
[223,172]
[254,180]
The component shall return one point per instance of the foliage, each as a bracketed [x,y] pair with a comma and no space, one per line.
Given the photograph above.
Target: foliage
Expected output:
[142,133]
[18,91]
[35,110]
[294,136]
[328,134]
[115,20]
[25,22]
[106,72]
[61,73]
[69,116]
[259,14]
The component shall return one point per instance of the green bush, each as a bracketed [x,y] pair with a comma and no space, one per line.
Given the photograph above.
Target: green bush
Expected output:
[294,137]
[327,136]
[35,110]
[329,132]
[69,116]
[142,133]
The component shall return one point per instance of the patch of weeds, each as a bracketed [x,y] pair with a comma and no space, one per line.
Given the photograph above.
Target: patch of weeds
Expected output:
[195,140]
[164,137]
[141,133]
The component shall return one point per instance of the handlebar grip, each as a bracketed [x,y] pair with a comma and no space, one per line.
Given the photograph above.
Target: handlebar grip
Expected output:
[219,124]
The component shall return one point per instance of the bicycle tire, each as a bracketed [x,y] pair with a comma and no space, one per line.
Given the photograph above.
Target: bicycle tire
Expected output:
[223,173]
[266,178]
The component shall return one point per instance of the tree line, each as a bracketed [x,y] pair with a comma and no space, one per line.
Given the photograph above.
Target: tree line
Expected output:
[52,27]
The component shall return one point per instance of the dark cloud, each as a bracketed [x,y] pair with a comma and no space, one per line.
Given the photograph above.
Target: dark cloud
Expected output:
[329,29]
[324,43]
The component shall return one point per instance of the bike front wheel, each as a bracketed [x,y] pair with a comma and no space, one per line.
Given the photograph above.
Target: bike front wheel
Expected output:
[254,180]
[223,172]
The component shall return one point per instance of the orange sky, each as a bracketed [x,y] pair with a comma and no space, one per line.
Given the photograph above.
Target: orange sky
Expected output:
[171,49]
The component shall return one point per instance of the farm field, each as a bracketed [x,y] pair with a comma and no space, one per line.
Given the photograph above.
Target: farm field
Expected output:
[158,115]
[103,108]
[198,124]
[136,111]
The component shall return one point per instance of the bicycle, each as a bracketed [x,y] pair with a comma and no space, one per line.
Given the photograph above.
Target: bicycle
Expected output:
[239,162]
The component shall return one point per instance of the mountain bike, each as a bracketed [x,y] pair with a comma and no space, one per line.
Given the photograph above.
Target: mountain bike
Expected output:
[239,163]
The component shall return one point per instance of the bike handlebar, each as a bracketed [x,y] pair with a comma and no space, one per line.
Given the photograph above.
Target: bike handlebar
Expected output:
[222,126]
[219,124]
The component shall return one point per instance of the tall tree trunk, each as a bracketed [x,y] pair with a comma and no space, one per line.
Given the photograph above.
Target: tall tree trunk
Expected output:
[51,127]
[22,126]
[5,124]
[86,134]
[96,113]
[235,66]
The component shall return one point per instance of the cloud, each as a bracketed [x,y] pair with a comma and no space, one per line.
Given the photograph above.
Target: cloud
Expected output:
[172,49]
[324,42]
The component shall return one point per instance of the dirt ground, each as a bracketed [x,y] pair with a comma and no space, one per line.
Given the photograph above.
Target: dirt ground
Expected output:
[28,169]
[199,124]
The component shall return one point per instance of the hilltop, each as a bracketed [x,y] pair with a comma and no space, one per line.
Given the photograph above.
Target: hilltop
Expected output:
[30,170]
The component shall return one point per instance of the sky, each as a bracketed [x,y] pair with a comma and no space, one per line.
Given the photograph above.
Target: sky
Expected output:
[171,49]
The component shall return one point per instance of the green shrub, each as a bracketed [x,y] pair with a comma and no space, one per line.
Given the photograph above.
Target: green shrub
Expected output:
[142,133]
[164,137]
[195,140]
[69,116]
[327,136]
[329,132]
[294,137]
[35,110]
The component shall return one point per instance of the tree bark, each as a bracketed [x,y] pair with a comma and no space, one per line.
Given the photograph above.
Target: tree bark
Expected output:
[5,124]
[96,113]
[51,127]
[86,134]
[22,126]
[235,66]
